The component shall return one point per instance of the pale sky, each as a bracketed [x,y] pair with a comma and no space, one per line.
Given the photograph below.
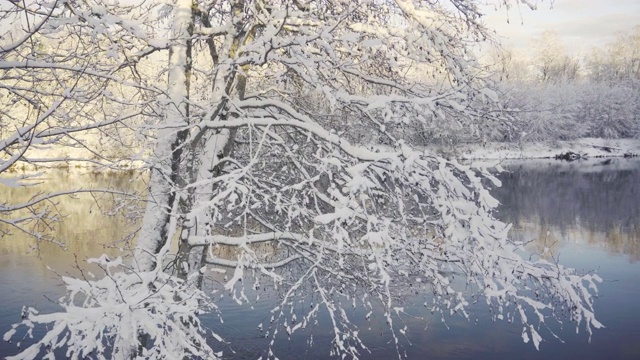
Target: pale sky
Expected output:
[580,24]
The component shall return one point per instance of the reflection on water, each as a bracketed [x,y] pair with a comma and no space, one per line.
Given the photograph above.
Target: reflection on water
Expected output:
[588,213]
[89,229]
[89,224]
[596,202]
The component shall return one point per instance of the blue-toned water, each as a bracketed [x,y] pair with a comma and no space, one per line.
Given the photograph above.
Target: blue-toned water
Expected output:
[586,214]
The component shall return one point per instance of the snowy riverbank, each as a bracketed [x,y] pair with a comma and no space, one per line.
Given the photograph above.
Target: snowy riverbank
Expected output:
[582,148]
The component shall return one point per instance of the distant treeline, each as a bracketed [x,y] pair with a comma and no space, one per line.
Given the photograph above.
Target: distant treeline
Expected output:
[550,96]
[556,96]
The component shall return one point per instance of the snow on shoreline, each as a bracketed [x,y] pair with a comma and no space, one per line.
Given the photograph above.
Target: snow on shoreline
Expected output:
[585,148]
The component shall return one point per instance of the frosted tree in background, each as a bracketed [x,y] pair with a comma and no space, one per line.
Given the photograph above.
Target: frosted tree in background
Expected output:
[618,62]
[279,133]
[552,62]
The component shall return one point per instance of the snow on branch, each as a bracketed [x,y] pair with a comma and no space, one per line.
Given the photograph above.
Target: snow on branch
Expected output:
[124,314]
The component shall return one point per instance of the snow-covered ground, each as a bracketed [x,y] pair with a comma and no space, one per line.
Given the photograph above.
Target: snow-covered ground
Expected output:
[586,148]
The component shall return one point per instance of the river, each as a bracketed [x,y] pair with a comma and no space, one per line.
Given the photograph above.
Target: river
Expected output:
[586,214]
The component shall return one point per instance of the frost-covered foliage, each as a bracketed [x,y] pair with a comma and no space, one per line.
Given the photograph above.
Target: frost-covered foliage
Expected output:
[618,61]
[611,111]
[546,113]
[567,111]
[123,315]
[552,97]
[259,141]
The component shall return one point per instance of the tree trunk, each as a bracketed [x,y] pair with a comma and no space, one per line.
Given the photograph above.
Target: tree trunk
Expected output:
[165,175]
[209,150]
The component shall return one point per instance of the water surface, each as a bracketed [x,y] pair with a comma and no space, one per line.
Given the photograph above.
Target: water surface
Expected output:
[585,214]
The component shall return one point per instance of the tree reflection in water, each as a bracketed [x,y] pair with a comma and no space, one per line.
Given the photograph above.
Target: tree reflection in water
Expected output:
[597,202]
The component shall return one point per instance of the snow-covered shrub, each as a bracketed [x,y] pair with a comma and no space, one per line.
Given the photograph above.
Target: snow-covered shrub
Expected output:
[565,111]
[545,112]
[610,110]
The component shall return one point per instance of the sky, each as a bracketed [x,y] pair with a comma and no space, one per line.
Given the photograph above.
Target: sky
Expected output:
[580,24]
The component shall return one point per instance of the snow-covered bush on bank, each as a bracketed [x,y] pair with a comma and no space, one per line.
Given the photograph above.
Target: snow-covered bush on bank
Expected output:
[566,111]
[545,113]
[612,111]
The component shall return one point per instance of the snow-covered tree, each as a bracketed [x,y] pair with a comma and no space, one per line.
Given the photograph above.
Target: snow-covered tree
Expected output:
[551,60]
[259,140]
[511,65]
[618,62]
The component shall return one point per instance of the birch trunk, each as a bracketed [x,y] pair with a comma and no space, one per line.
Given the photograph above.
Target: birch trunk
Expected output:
[208,151]
[165,174]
